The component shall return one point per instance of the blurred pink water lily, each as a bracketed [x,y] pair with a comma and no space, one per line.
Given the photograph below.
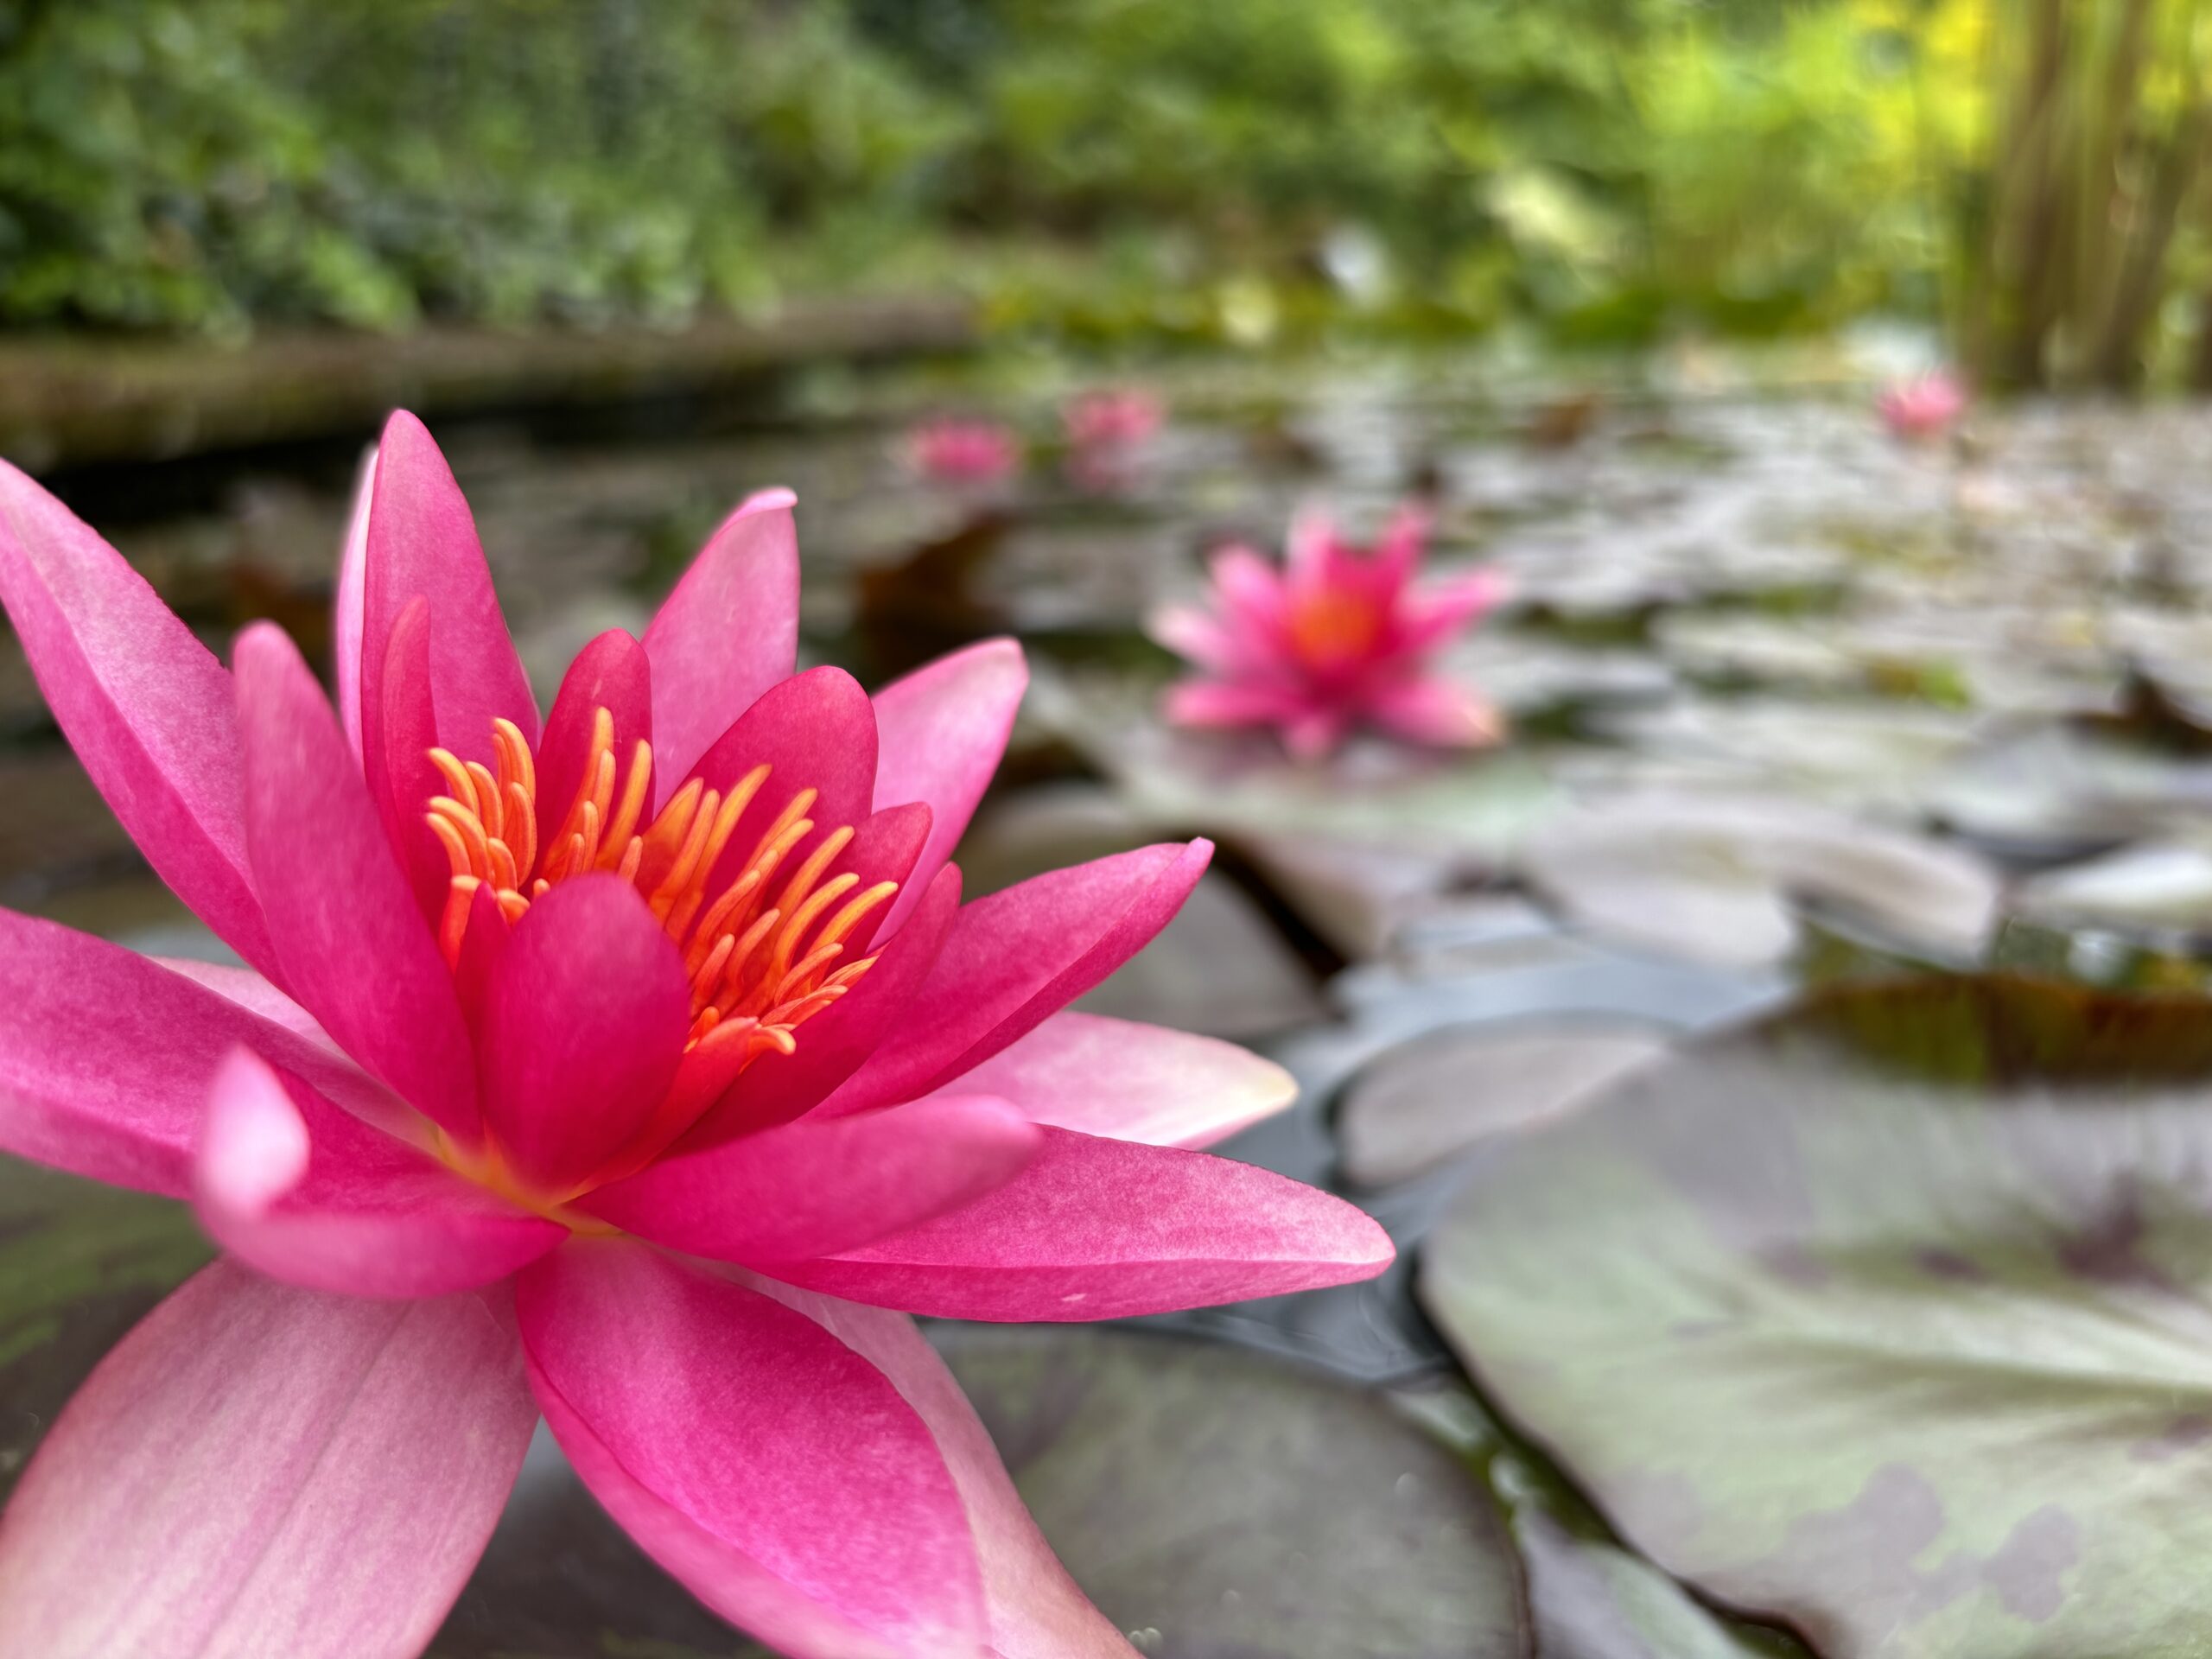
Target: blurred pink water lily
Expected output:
[640,1067]
[1927,406]
[964,452]
[1113,417]
[1336,638]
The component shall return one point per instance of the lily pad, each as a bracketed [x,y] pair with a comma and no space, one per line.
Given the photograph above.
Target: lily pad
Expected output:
[1884,1318]
[1718,879]
[1429,1102]
[1213,1503]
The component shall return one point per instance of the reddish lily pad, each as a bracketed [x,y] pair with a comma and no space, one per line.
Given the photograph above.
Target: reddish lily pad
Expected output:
[1884,1318]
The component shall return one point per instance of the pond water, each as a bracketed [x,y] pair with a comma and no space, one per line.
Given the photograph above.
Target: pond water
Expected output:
[1793,704]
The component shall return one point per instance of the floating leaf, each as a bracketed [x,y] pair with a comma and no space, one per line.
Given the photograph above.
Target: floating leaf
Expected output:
[1885,1317]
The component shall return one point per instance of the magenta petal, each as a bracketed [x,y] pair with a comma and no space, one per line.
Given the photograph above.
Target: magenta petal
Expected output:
[105,1057]
[402,778]
[150,714]
[421,540]
[310,1195]
[727,632]
[1219,703]
[1019,955]
[346,619]
[823,1184]
[939,733]
[835,1043]
[1103,1230]
[1438,712]
[1034,1608]
[1130,1082]
[766,1465]
[261,1470]
[356,951]
[583,1024]
[609,673]
[816,730]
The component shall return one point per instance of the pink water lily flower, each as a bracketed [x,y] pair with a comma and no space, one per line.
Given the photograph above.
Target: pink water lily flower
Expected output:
[1113,417]
[1925,407]
[640,1067]
[964,452]
[1336,638]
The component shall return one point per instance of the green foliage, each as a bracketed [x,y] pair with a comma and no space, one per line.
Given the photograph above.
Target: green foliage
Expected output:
[1246,167]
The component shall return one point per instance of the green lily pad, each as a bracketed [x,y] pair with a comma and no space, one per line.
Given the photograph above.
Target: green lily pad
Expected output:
[1884,1318]
[1215,1505]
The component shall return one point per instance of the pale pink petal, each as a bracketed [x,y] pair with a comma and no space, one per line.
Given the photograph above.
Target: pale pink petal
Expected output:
[583,1025]
[105,1057]
[1220,704]
[255,995]
[817,731]
[356,951]
[1104,1229]
[149,712]
[609,673]
[260,1469]
[772,1469]
[727,632]
[1130,1082]
[1202,639]
[822,1185]
[1022,954]
[835,1042]
[422,541]
[1035,1610]
[940,732]
[345,611]
[1249,591]
[1313,735]
[1397,555]
[306,1193]
[1437,711]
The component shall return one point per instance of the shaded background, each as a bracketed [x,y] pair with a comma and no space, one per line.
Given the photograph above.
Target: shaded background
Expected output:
[1799,711]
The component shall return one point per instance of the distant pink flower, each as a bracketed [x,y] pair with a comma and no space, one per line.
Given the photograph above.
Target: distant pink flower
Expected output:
[964,452]
[641,1068]
[1925,407]
[1337,639]
[1115,417]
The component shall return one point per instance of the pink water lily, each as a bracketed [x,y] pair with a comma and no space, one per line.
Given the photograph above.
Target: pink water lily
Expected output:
[1113,417]
[1337,639]
[1925,407]
[640,1067]
[964,452]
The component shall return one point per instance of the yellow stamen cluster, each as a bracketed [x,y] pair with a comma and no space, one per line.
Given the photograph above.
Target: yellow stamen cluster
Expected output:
[761,959]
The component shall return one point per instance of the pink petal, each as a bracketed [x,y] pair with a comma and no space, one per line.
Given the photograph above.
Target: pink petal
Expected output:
[105,1056]
[307,1194]
[1249,591]
[727,632]
[1130,1082]
[833,1044]
[1218,703]
[421,540]
[1104,1229]
[261,1470]
[150,714]
[255,995]
[1315,733]
[1019,955]
[1310,551]
[1035,1610]
[1438,712]
[939,733]
[583,1025]
[402,778]
[609,673]
[1427,619]
[769,1467]
[1201,638]
[356,951]
[822,1185]
[346,620]
[816,730]
[1397,555]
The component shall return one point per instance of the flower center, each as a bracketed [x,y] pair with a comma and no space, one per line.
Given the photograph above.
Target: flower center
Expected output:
[763,957]
[1328,629]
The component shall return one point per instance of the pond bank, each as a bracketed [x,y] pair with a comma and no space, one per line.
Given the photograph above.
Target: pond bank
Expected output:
[68,401]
